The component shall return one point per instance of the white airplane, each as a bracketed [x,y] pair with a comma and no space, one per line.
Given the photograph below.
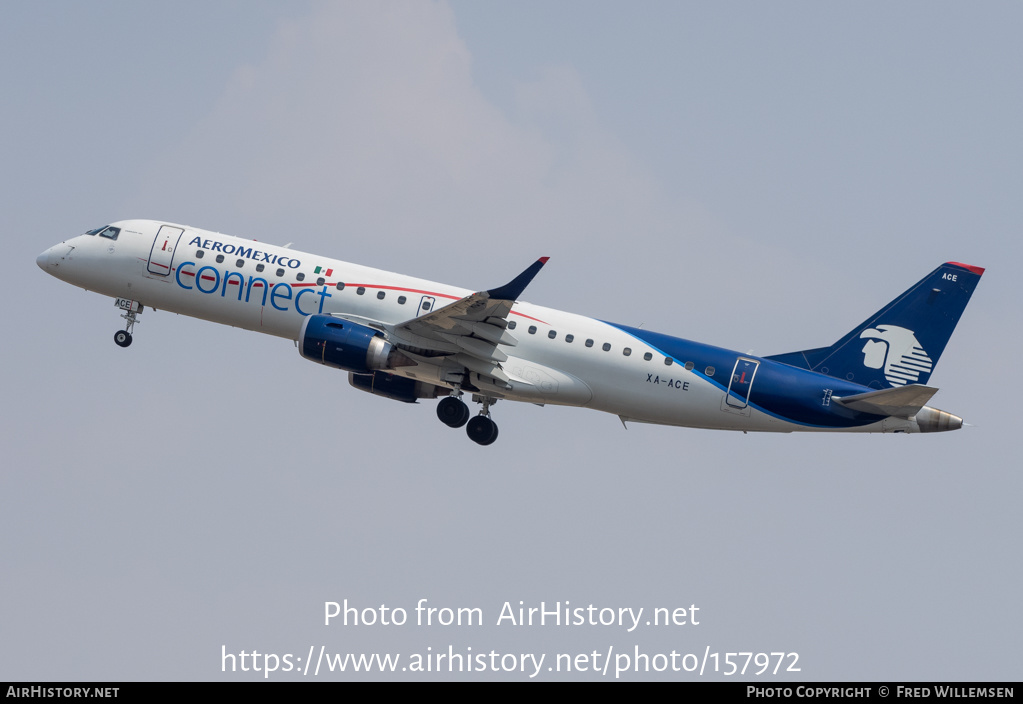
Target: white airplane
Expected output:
[408,339]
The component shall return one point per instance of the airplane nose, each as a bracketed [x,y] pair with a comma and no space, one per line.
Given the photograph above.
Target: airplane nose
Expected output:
[49,260]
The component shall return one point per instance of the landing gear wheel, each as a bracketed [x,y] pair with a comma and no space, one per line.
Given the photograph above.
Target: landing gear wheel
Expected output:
[481,430]
[452,412]
[131,309]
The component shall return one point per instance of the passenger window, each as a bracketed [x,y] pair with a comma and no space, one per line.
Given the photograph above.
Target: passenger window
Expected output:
[320,281]
[552,334]
[220,259]
[401,300]
[709,371]
[606,347]
[340,286]
[199,254]
[648,356]
[589,343]
[361,290]
[300,276]
[511,324]
[426,305]
[668,361]
[380,295]
[280,272]
[260,267]
[689,366]
[240,263]
[532,329]
[569,338]
[627,351]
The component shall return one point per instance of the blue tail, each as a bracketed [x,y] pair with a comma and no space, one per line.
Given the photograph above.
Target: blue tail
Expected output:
[902,342]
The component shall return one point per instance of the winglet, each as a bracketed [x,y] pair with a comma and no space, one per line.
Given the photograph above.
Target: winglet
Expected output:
[511,291]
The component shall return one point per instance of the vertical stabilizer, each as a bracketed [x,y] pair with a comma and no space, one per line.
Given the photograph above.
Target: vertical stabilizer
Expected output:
[902,342]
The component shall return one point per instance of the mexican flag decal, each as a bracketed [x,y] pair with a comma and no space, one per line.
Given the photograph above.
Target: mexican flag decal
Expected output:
[324,271]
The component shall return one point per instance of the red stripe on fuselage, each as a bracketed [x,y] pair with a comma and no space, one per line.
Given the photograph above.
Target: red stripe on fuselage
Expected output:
[407,290]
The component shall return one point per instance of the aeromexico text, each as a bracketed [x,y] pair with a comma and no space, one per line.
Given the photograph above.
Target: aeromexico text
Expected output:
[209,279]
[246,252]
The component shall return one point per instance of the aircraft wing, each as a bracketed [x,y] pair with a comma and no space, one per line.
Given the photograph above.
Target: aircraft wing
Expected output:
[468,332]
[901,401]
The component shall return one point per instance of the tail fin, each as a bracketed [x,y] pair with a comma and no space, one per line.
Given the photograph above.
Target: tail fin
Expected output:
[902,342]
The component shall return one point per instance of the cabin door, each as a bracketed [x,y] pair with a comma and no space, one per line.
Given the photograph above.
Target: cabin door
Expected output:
[161,256]
[741,383]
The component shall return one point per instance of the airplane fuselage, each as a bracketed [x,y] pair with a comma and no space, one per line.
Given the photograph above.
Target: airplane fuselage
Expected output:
[554,357]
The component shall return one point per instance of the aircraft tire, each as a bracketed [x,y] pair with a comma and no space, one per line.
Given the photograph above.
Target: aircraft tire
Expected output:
[481,430]
[452,412]
[122,338]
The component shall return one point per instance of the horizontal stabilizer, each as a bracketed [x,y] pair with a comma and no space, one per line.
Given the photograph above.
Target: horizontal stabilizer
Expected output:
[901,401]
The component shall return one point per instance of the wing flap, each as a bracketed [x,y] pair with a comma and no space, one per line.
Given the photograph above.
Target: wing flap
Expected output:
[481,367]
[493,333]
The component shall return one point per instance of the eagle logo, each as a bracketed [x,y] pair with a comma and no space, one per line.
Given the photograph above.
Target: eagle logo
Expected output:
[898,352]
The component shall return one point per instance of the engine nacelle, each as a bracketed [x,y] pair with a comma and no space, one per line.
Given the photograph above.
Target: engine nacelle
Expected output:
[343,345]
[394,387]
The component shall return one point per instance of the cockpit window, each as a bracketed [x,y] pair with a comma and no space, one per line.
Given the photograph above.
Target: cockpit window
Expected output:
[96,231]
[110,232]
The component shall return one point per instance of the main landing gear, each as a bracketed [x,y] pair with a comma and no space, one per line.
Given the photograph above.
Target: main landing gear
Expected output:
[453,412]
[132,309]
[481,430]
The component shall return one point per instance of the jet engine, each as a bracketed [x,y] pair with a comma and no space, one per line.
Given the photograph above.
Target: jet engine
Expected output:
[341,344]
[394,387]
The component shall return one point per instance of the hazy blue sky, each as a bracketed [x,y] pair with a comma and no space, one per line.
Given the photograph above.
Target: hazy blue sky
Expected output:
[754,175]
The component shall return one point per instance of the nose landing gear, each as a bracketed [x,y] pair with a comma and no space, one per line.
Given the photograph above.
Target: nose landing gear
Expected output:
[122,338]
